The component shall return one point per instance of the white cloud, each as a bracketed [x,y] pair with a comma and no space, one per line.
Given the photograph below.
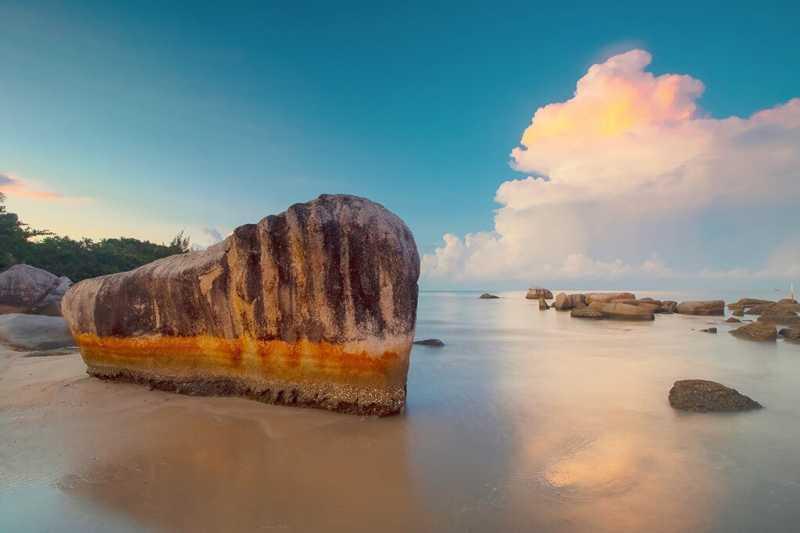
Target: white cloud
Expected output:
[619,171]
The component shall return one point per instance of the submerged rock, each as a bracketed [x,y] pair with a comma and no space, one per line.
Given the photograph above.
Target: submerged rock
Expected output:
[703,308]
[733,320]
[538,293]
[315,306]
[488,296]
[434,343]
[708,396]
[34,332]
[708,330]
[756,331]
[31,290]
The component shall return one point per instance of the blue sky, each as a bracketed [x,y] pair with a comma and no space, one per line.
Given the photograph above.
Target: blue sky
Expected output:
[149,119]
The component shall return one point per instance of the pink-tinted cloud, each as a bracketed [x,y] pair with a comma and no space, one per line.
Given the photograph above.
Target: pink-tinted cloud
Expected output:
[13,186]
[629,156]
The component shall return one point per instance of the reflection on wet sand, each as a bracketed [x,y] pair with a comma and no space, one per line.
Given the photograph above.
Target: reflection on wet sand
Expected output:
[196,468]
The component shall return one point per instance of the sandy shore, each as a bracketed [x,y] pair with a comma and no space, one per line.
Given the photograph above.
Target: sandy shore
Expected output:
[120,456]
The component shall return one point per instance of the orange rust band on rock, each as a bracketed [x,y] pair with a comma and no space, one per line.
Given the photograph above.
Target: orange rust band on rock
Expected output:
[244,357]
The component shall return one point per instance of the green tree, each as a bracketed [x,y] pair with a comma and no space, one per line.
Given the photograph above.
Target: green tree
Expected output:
[77,259]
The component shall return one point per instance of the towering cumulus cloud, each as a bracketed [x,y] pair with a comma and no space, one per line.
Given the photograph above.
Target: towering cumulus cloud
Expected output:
[623,180]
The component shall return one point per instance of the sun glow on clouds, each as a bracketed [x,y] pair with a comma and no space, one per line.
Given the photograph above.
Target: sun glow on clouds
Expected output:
[613,169]
[13,186]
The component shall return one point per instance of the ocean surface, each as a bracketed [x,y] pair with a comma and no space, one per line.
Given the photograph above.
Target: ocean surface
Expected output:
[526,420]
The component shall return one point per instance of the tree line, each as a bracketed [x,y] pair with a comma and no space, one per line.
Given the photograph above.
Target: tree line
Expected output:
[76,259]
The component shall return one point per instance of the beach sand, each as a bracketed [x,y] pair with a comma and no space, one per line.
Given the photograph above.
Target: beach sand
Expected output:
[121,456]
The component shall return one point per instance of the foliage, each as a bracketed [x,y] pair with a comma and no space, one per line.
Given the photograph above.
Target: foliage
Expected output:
[76,259]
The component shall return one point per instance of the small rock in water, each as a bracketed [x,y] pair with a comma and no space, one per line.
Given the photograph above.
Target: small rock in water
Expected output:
[756,331]
[708,396]
[733,320]
[488,296]
[709,330]
[435,343]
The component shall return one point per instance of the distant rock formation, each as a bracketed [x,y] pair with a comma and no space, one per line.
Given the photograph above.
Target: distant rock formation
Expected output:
[315,307]
[538,293]
[30,290]
[604,297]
[702,308]
[488,296]
[756,331]
[566,302]
[623,311]
[587,312]
[708,396]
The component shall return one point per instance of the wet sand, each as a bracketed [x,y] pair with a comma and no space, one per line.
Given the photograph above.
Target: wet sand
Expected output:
[525,420]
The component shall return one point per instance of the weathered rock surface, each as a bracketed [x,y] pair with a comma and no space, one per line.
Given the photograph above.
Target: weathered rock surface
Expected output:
[623,311]
[539,293]
[315,306]
[31,290]
[587,312]
[434,343]
[703,308]
[708,396]
[565,302]
[488,296]
[603,297]
[543,305]
[34,332]
[756,331]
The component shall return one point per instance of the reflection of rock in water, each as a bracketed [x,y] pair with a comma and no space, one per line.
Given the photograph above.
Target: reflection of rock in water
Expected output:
[198,469]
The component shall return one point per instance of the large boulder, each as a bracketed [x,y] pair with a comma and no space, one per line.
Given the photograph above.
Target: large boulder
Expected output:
[623,311]
[756,331]
[603,297]
[34,332]
[538,293]
[784,314]
[708,396]
[315,307]
[703,308]
[27,289]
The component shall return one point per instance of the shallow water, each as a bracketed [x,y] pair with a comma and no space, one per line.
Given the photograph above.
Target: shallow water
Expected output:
[524,420]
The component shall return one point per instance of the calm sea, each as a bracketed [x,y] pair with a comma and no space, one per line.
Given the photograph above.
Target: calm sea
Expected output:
[525,421]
